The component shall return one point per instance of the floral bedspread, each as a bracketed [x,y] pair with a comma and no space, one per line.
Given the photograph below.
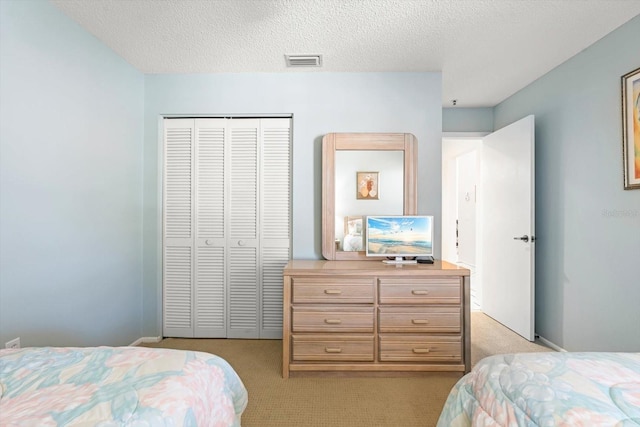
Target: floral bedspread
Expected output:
[548,389]
[118,386]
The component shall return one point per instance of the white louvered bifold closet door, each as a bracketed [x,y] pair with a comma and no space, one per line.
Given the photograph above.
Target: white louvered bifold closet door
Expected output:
[177,248]
[275,220]
[210,243]
[226,226]
[243,278]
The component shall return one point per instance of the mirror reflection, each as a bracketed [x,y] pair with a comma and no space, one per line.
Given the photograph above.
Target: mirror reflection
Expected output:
[367,182]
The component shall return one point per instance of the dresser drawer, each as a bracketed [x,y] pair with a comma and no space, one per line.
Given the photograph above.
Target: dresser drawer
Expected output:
[422,348]
[331,348]
[332,319]
[420,291]
[419,319]
[332,290]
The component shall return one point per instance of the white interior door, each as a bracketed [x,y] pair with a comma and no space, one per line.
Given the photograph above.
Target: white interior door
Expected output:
[507,246]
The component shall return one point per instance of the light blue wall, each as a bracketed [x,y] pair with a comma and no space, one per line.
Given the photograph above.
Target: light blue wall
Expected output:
[71,132]
[467,119]
[321,103]
[587,226]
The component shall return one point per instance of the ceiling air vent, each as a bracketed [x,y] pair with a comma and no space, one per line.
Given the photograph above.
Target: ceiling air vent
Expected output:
[303,60]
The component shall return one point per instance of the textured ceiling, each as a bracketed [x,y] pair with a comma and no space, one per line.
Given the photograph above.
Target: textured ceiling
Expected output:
[486,49]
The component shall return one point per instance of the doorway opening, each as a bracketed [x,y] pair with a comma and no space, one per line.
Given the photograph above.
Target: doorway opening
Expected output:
[461,157]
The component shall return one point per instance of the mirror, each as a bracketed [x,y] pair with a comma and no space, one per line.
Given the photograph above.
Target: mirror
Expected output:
[364,174]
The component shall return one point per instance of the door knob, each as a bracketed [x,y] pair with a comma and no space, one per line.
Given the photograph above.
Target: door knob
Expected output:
[524,238]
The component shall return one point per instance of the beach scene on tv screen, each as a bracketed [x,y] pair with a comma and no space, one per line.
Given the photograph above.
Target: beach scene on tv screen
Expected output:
[401,235]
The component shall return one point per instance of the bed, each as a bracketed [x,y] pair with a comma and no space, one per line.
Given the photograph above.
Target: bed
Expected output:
[118,386]
[548,389]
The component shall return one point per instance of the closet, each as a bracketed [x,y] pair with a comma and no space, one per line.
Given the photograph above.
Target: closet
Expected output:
[226,221]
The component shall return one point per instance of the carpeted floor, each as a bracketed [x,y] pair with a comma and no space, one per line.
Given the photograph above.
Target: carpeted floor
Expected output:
[348,402]
[489,337]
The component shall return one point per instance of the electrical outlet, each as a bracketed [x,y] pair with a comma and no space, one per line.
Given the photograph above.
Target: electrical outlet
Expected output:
[14,343]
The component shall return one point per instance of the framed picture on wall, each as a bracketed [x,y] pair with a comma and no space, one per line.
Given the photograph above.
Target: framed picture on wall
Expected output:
[367,186]
[631,129]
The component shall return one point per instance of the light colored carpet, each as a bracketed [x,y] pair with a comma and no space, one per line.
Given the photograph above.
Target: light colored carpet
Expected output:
[348,402]
[489,337]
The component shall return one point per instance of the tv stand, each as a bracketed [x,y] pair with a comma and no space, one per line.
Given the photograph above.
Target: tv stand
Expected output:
[399,260]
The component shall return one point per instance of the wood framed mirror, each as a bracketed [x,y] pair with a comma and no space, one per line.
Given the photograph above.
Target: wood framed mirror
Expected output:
[364,174]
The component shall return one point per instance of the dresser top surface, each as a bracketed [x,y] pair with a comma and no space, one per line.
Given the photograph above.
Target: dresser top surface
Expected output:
[438,268]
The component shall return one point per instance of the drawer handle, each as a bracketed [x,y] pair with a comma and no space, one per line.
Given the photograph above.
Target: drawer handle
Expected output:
[332,350]
[419,321]
[333,321]
[419,292]
[421,350]
[332,291]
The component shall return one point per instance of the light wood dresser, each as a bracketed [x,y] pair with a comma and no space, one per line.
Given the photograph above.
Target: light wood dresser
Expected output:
[367,317]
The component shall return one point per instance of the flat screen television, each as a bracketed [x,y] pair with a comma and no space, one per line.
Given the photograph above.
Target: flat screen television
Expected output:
[400,238]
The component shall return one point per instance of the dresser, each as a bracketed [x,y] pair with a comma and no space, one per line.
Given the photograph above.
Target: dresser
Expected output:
[367,317]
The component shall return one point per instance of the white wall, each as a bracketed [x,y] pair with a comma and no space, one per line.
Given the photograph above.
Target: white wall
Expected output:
[321,103]
[588,227]
[71,135]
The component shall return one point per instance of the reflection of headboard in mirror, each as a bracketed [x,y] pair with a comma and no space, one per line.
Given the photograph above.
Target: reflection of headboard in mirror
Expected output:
[392,155]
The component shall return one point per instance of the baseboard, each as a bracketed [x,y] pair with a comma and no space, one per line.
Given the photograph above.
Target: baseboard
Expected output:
[550,344]
[145,339]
